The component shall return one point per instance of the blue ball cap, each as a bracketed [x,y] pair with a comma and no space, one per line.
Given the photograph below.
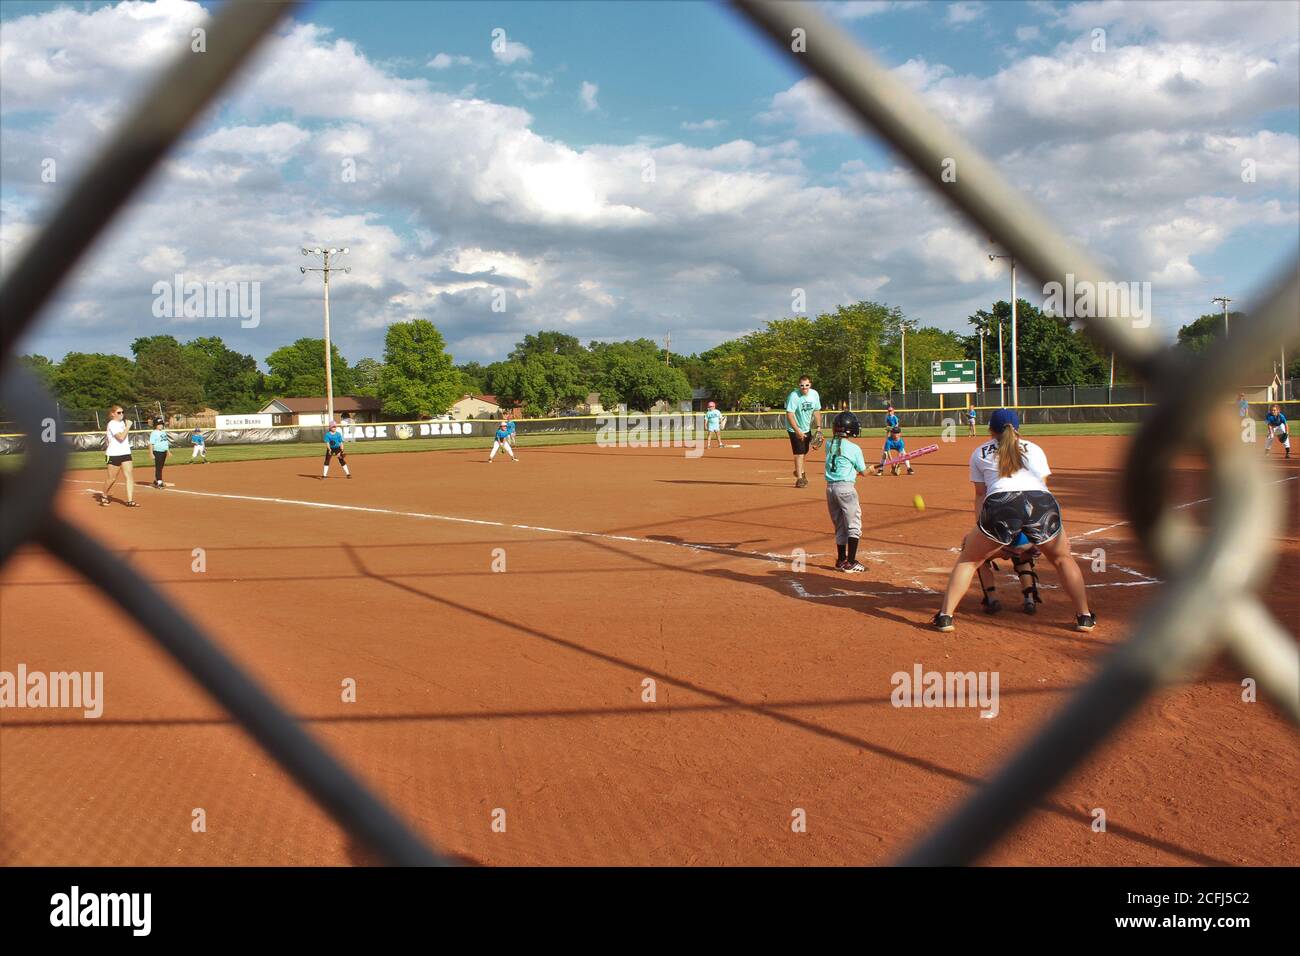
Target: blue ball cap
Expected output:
[1003,417]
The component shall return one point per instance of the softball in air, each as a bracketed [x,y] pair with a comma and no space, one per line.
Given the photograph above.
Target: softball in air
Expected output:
[919,502]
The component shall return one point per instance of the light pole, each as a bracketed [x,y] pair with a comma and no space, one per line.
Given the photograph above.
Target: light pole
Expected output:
[329,372]
[1002,375]
[982,382]
[902,358]
[1015,375]
[1223,301]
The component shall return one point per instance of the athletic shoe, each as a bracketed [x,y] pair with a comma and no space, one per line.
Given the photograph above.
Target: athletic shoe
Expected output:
[1031,606]
[990,605]
[1085,622]
[852,567]
[349,477]
[942,622]
[801,483]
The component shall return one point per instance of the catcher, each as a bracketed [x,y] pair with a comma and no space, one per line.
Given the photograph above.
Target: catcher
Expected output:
[803,413]
[1021,553]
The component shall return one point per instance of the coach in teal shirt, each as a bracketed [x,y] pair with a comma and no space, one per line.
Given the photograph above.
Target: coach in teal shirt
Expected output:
[803,412]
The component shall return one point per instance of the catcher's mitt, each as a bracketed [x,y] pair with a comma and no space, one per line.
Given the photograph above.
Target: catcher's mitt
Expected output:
[818,439]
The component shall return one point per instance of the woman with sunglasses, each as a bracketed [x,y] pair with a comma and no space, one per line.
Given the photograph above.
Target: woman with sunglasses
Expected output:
[118,450]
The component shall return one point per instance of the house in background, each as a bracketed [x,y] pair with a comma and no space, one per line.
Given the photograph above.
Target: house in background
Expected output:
[592,405]
[476,406]
[312,411]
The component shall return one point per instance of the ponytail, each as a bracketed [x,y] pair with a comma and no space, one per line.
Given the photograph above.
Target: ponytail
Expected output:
[1010,459]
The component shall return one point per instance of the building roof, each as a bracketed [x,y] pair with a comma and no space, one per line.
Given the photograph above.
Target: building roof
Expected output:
[342,403]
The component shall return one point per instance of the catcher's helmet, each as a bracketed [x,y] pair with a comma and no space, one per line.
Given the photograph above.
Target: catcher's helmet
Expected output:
[846,425]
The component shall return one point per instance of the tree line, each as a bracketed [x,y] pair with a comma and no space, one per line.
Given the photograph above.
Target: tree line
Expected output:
[857,348]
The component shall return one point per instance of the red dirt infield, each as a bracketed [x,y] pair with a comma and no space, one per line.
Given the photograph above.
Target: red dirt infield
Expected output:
[523,690]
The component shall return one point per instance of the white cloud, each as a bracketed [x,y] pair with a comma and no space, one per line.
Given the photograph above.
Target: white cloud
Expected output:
[456,197]
[704,125]
[588,96]
[508,52]
[445,61]
[860,9]
[533,85]
[964,12]
[1028,34]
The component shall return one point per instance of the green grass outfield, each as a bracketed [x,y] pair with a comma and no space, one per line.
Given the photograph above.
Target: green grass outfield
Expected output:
[80,460]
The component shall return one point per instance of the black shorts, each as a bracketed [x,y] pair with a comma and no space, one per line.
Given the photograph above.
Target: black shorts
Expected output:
[1008,513]
[799,445]
[118,459]
[331,452]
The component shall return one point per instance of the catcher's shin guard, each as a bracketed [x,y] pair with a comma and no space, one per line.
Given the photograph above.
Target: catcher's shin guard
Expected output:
[1024,566]
[989,586]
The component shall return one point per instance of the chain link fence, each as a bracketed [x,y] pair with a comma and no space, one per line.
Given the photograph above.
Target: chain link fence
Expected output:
[1208,604]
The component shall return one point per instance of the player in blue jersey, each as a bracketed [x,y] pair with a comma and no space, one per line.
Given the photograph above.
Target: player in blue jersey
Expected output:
[894,447]
[1277,428]
[501,439]
[891,420]
[334,446]
[198,447]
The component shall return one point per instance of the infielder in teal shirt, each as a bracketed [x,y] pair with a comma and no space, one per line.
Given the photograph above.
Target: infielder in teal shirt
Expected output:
[844,462]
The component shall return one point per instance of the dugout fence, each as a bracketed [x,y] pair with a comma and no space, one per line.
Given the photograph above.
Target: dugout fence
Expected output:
[1207,604]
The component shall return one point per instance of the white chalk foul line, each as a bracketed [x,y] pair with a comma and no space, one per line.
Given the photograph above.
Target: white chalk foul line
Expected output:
[1185,504]
[711,548]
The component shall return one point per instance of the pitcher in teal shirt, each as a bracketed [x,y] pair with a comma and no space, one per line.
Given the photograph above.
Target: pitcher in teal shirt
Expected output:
[803,413]
[844,462]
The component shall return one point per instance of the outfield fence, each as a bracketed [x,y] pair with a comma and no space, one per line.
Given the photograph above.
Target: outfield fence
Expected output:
[680,423]
[1208,604]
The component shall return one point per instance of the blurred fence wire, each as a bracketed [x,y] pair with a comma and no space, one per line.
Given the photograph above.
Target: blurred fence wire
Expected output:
[27,496]
[1209,603]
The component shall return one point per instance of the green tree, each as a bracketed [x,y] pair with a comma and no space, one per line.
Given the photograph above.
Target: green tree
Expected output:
[366,375]
[149,341]
[231,381]
[1204,334]
[548,382]
[543,343]
[1050,350]
[164,375]
[91,381]
[298,370]
[924,345]
[473,378]
[418,376]
[634,373]
[41,367]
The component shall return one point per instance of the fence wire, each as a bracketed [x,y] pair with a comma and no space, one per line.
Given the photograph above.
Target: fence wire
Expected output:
[27,496]
[1207,605]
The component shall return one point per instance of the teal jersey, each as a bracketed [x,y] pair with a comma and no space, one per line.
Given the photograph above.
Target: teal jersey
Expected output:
[843,460]
[158,440]
[713,420]
[803,407]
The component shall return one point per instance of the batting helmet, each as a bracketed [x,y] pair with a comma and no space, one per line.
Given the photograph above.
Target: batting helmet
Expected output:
[847,425]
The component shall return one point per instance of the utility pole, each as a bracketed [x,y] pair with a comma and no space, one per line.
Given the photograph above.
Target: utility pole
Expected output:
[983,384]
[668,343]
[329,371]
[1002,375]
[1015,374]
[1223,300]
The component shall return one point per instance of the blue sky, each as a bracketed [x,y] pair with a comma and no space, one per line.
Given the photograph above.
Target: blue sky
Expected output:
[493,173]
